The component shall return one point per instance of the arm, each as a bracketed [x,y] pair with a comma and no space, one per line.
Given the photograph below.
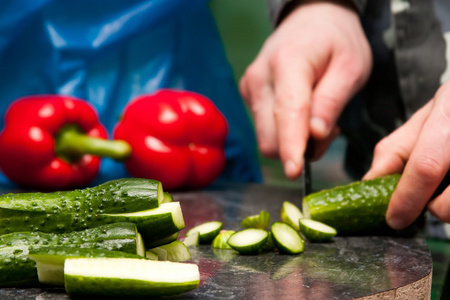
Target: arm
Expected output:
[304,75]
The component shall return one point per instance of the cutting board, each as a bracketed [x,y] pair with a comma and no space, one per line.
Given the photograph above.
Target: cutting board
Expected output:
[364,267]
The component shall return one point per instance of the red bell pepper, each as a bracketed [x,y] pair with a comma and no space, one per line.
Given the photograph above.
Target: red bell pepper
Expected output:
[177,137]
[54,142]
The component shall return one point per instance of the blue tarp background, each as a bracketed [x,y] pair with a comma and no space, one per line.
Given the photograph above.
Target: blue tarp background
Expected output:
[109,51]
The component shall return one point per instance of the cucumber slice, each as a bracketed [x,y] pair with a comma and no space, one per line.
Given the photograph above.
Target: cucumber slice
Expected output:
[163,241]
[287,239]
[129,277]
[357,207]
[50,261]
[167,197]
[257,221]
[248,241]
[207,231]
[316,231]
[221,240]
[290,214]
[151,255]
[192,239]
[269,245]
[175,251]
[160,253]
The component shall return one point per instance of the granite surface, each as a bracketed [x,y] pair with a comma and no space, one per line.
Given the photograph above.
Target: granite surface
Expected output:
[345,268]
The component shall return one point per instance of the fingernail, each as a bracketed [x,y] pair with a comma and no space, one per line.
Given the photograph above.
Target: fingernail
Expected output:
[290,167]
[318,125]
[396,223]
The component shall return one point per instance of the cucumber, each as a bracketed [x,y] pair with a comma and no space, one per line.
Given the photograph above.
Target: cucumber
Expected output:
[17,269]
[50,261]
[248,241]
[115,196]
[152,224]
[207,231]
[290,214]
[221,240]
[260,220]
[269,245]
[356,207]
[287,239]
[175,251]
[316,231]
[129,277]
[167,197]
[163,241]
[192,239]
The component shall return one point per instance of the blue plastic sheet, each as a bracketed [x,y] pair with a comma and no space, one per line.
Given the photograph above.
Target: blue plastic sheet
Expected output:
[110,51]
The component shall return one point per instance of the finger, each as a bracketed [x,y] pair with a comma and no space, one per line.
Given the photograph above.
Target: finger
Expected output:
[440,206]
[344,76]
[425,169]
[321,146]
[392,152]
[293,87]
[256,90]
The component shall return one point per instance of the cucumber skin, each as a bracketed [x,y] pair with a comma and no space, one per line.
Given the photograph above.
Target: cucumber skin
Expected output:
[128,287]
[354,208]
[18,270]
[152,228]
[115,196]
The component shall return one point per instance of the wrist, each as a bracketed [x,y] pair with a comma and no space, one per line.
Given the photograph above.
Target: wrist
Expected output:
[292,5]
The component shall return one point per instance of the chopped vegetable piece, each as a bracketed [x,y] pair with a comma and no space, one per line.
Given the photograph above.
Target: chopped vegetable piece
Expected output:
[221,240]
[316,231]
[260,220]
[290,214]
[207,231]
[248,241]
[287,239]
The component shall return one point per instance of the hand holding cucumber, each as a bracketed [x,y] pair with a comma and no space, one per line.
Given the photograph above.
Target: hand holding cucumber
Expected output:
[418,149]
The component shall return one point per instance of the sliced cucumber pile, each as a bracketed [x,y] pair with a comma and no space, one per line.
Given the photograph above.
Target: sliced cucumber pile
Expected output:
[119,227]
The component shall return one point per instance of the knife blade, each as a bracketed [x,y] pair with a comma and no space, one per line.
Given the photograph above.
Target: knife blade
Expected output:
[305,179]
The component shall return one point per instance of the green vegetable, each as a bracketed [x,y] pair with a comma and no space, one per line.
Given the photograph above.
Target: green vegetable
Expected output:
[192,240]
[167,197]
[248,241]
[290,214]
[153,224]
[207,231]
[260,220]
[129,277]
[357,207]
[221,240]
[116,196]
[17,269]
[163,241]
[50,261]
[287,239]
[175,251]
[316,231]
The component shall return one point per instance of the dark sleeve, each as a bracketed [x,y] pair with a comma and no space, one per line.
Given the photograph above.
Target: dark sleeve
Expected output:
[278,8]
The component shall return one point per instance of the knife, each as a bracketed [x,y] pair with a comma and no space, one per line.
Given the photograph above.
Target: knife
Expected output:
[306,172]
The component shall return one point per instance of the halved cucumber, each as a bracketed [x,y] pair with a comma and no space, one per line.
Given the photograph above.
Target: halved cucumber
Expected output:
[287,239]
[248,241]
[260,220]
[290,214]
[175,251]
[316,231]
[207,231]
[50,261]
[129,277]
[221,240]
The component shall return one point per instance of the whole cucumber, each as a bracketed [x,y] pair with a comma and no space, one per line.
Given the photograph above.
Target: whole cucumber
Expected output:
[115,196]
[356,207]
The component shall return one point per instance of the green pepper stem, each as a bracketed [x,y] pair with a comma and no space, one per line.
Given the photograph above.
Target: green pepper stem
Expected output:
[71,143]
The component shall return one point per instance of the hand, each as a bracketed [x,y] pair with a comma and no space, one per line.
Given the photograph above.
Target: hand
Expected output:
[303,77]
[419,149]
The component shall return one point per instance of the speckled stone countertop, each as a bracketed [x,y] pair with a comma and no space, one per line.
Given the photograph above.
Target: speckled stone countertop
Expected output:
[370,267]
